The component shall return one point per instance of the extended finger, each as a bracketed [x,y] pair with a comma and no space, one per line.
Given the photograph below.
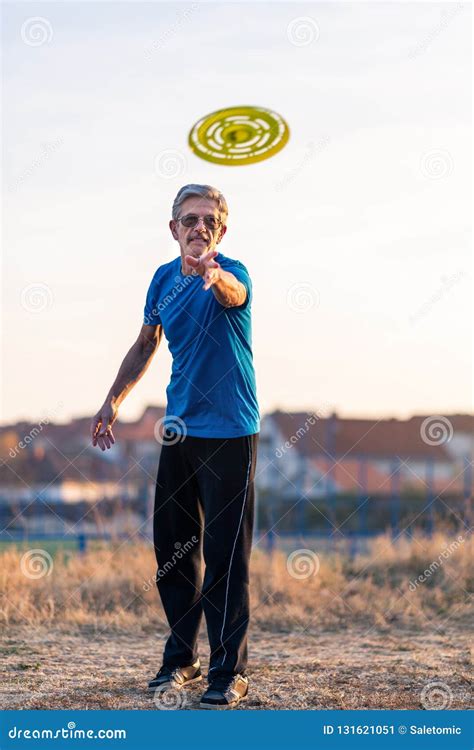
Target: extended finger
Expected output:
[210,254]
[96,436]
[108,431]
[104,441]
[209,280]
[94,428]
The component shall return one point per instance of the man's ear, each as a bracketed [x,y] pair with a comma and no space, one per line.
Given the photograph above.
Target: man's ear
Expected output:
[222,233]
[172,226]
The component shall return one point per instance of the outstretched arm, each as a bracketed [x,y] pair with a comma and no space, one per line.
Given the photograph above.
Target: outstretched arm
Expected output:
[227,289]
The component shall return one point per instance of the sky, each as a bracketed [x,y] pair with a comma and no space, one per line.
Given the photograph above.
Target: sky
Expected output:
[356,235]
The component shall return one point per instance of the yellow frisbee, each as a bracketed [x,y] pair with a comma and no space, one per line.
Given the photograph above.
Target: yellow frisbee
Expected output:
[239,135]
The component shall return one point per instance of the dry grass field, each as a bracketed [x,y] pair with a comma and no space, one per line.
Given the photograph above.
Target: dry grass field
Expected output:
[327,632]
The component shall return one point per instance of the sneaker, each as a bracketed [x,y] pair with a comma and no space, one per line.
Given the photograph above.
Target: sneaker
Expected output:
[175,678]
[225,691]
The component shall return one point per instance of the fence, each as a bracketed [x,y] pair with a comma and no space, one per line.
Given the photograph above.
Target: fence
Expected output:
[333,519]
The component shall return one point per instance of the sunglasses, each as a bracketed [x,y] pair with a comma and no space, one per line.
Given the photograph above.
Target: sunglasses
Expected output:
[190,220]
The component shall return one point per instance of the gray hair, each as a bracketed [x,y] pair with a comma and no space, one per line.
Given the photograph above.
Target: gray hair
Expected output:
[204,191]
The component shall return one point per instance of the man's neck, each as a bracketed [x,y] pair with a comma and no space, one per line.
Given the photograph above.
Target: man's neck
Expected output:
[185,270]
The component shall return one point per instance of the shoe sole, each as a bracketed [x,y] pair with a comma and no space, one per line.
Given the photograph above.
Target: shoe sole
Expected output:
[225,707]
[170,686]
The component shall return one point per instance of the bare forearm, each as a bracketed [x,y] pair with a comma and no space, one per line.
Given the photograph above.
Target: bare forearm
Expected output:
[134,365]
[228,290]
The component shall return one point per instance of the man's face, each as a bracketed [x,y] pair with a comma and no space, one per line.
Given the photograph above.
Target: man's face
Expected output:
[200,238]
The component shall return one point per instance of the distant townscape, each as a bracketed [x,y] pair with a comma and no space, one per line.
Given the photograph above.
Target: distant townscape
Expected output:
[315,473]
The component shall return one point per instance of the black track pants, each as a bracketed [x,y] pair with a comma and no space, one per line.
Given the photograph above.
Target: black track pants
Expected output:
[204,505]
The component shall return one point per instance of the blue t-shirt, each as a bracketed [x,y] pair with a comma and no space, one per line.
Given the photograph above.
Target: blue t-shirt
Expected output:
[212,388]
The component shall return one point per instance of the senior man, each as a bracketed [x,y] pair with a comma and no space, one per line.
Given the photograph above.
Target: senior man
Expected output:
[204,501]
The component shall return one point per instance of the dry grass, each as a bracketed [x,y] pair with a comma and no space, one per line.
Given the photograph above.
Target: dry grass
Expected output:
[113,588]
[354,635]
